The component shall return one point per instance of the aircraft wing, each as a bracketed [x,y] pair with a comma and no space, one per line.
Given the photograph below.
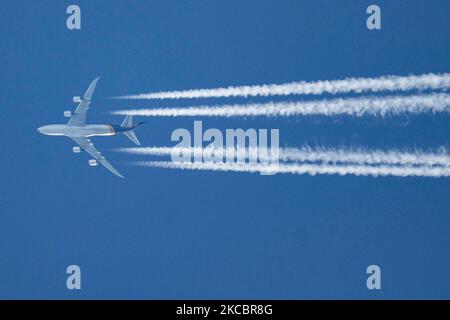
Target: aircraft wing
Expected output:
[88,146]
[78,117]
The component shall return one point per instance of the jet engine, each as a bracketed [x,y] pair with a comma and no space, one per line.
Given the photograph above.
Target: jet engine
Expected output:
[76,99]
[93,162]
[76,149]
[67,114]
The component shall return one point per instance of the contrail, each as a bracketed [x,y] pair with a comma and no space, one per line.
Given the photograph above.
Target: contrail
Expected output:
[365,157]
[311,169]
[358,85]
[389,105]
[318,154]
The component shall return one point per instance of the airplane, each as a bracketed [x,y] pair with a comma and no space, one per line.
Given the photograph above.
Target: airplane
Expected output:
[80,132]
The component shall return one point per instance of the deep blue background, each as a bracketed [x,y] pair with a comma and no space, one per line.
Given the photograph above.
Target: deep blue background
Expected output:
[176,234]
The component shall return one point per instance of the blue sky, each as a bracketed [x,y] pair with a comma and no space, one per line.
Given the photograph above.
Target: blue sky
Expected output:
[179,234]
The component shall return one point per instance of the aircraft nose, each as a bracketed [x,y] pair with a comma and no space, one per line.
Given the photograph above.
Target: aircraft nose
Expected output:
[39,129]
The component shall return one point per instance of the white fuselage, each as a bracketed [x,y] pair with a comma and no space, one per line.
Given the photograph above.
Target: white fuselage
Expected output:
[89,130]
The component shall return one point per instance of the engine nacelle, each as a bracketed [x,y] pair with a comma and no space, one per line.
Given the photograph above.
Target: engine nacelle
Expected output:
[67,114]
[76,99]
[93,162]
[76,149]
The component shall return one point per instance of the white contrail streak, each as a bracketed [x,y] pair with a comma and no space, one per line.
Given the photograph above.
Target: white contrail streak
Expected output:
[311,169]
[365,157]
[318,154]
[390,105]
[385,83]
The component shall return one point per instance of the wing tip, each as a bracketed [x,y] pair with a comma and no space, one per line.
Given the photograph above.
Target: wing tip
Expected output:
[116,173]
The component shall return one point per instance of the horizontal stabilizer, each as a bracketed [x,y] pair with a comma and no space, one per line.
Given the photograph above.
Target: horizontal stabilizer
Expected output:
[132,136]
[127,122]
